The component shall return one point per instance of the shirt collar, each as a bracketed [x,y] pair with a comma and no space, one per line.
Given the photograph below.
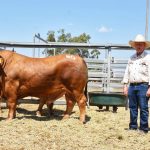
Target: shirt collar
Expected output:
[140,56]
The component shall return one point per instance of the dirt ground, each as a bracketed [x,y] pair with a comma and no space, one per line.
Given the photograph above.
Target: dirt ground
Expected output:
[103,130]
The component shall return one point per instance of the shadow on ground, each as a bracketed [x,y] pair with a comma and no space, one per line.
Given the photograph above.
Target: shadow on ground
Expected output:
[57,115]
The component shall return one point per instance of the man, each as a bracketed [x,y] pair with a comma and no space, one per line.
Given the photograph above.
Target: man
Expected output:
[137,75]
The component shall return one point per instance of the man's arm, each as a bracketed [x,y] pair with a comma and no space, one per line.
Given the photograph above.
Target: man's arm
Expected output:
[148,91]
[126,80]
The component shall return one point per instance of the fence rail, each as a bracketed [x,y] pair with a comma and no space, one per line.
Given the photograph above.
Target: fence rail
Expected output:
[64,45]
[98,75]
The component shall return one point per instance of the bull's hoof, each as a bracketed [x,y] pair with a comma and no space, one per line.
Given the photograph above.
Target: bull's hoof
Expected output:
[39,114]
[66,116]
[82,122]
[82,119]
[50,114]
[0,113]
[9,119]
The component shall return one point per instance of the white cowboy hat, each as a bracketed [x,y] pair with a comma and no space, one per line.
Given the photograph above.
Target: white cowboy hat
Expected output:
[139,38]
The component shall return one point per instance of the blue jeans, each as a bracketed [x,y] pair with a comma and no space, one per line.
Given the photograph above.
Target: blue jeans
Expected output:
[138,99]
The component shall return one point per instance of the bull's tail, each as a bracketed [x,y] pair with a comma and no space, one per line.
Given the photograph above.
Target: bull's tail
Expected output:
[85,91]
[86,94]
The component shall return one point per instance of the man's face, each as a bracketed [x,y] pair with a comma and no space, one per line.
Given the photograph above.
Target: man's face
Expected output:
[139,46]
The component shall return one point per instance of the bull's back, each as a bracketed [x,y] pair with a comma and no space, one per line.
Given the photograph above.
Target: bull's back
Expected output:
[60,65]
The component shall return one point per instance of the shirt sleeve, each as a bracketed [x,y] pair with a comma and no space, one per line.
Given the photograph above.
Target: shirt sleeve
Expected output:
[149,72]
[126,75]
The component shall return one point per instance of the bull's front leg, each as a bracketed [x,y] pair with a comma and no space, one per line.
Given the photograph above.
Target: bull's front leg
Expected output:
[0,109]
[39,111]
[11,93]
[11,104]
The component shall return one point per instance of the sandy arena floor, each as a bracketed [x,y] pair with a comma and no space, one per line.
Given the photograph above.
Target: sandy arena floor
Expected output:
[103,131]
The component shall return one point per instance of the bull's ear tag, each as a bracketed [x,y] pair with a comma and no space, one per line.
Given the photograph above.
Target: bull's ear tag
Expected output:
[1,60]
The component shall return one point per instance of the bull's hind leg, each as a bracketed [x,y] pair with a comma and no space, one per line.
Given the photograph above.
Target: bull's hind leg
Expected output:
[50,107]
[49,104]
[81,101]
[70,102]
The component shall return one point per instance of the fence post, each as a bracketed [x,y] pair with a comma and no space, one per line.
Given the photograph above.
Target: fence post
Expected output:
[108,69]
[39,48]
[34,47]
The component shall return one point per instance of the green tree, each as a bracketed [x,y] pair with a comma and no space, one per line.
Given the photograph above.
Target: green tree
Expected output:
[63,37]
[51,36]
[66,37]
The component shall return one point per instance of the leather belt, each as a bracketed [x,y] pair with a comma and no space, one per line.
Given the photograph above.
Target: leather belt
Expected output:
[138,83]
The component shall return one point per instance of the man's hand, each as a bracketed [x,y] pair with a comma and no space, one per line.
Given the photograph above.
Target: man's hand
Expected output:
[148,92]
[125,90]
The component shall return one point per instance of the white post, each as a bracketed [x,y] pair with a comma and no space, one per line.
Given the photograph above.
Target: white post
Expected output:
[108,69]
[147,19]
[34,48]
[39,48]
